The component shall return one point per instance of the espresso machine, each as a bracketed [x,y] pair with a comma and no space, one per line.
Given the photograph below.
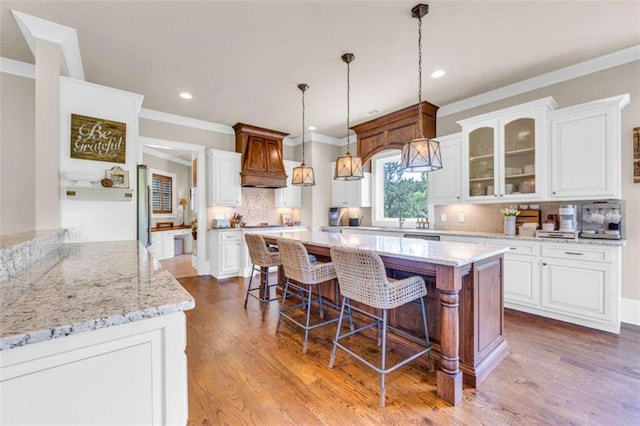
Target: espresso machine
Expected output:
[602,220]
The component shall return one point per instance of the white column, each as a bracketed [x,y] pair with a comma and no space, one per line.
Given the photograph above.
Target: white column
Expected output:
[47,134]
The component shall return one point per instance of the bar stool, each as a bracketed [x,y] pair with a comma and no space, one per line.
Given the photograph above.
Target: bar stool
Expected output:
[362,278]
[262,258]
[303,274]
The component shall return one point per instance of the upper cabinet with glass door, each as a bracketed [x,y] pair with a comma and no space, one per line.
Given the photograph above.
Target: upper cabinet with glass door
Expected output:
[503,153]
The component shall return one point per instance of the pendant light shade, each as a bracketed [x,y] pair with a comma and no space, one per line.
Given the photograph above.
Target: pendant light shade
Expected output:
[421,154]
[348,167]
[303,174]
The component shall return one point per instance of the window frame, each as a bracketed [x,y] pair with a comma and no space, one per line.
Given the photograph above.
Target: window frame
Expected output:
[174,201]
[377,193]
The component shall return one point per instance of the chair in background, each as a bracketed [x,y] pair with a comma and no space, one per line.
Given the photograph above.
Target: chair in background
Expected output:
[262,258]
[303,274]
[362,278]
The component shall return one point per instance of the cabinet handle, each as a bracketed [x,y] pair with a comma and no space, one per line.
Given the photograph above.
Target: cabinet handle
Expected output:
[575,253]
[513,248]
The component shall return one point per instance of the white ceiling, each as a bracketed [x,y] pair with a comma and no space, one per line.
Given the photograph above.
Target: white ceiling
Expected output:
[243,60]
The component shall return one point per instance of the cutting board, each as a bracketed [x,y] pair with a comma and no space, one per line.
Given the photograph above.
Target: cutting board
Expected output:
[528,216]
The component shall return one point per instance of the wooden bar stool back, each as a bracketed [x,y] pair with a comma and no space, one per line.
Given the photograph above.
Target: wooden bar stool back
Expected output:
[303,275]
[362,278]
[262,258]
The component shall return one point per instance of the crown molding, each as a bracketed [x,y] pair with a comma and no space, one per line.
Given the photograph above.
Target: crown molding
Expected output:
[22,69]
[34,28]
[85,85]
[601,63]
[180,120]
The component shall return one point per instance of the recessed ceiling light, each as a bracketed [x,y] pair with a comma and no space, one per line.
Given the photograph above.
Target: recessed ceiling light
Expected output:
[311,127]
[372,112]
[438,73]
[186,95]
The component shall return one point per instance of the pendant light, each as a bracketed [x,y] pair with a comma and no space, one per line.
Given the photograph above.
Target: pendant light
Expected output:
[303,174]
[348,167]
[421,154]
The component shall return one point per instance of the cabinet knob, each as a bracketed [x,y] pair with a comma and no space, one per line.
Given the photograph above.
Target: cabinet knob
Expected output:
[544,263]
[554,193]
[457,198]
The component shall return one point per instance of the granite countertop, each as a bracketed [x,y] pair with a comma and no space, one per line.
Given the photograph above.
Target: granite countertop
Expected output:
[437,252]
[408,230]
[83,287]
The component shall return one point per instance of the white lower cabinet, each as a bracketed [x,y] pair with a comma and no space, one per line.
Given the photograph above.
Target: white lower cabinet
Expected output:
[584,284]
[134,373]
[576,283]
[162,242]
[225,253]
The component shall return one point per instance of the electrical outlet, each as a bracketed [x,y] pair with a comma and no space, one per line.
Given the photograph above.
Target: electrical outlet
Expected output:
[461,217]
[443,217]
[75,233]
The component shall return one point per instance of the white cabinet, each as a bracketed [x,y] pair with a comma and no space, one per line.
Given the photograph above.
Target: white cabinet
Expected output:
[444,184]
[576,283]
[225,253]
[503,153]
[291,196]
[355,193]
[134,373]
[161,244]
[582,283]
[585,153]
[521,273]
[223,183]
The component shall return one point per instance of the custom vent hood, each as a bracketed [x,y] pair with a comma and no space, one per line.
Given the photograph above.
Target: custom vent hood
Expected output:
[261,149]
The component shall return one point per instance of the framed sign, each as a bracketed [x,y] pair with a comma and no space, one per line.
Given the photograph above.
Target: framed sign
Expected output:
[636,155]
[98,139]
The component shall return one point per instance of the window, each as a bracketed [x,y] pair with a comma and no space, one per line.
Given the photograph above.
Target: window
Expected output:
[163,193]
[397,193]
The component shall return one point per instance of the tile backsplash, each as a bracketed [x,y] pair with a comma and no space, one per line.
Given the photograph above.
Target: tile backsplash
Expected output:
[258,205]
[487,217]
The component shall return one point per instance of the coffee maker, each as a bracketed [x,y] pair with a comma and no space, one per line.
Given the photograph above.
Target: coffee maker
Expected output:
[568,218]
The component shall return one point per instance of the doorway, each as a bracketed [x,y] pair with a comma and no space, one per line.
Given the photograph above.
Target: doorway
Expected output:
[192,152]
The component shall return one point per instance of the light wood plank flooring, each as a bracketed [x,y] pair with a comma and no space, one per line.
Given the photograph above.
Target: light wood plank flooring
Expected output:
[241,372]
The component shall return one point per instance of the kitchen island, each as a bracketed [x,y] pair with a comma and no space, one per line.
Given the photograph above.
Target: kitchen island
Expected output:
[93,333]
[464,301]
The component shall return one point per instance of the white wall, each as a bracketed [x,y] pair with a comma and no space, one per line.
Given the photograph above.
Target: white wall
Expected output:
[91,220]
[17,154]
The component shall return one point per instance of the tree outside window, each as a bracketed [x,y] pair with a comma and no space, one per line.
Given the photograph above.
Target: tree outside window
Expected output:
[405,194]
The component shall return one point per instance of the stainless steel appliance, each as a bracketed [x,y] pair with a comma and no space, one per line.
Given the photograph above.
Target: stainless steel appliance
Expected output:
[143,209]
[334,216]
[602,220]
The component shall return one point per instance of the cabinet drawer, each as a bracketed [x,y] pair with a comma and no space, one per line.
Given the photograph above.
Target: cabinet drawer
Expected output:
[517,247]
[578,253]
[230,236]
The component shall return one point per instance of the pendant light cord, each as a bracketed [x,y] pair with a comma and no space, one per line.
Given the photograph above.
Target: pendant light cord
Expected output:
[348,126]
[420,77]
[303,90]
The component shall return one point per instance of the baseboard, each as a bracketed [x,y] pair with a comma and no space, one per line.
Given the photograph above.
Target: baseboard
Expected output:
[630,311]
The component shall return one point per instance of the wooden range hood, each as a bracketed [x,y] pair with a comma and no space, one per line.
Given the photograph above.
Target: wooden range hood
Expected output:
[261,150]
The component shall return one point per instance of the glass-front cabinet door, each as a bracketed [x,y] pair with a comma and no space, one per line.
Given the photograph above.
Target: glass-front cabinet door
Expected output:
[504,153]
[520,157]
[482,160]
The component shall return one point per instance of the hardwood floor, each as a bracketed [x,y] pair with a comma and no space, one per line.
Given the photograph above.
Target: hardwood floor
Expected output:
[180,266]
[241,372]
